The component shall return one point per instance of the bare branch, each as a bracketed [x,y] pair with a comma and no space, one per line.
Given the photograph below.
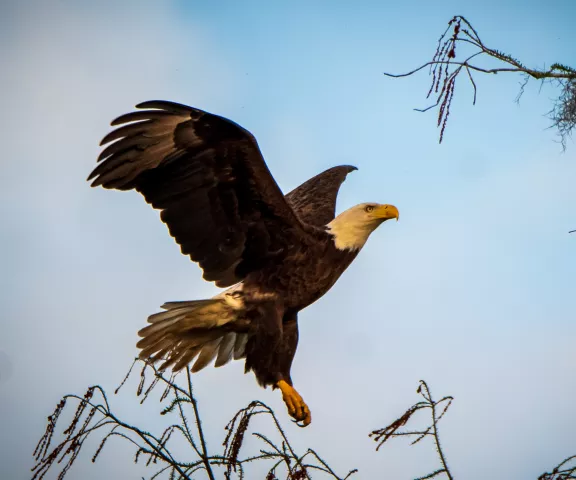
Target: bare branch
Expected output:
[393,430]
[565,470]
[444,71]
[93,414]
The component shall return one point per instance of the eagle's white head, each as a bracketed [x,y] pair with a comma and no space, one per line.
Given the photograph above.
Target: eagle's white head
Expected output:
[352,227]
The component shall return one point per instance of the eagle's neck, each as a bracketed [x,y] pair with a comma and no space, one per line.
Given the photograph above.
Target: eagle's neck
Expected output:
[348,235]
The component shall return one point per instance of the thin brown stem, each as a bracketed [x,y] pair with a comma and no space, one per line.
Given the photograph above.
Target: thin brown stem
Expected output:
[436,435]
[204,455]
[443,68]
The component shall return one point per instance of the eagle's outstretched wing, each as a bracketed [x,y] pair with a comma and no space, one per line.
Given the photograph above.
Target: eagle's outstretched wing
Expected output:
[315,200]
[207,175]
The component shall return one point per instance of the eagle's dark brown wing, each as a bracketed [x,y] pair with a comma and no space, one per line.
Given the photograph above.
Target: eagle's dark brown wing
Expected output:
[207,175]
[315,200]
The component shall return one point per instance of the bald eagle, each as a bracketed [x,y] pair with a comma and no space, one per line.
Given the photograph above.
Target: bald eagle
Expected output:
[277,254]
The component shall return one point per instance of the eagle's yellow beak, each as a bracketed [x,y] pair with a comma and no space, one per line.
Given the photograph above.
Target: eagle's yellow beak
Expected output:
[387,212]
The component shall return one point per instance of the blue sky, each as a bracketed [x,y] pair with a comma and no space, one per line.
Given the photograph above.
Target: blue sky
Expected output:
[472,290]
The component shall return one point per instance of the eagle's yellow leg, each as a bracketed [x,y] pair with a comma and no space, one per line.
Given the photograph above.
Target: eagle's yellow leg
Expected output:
[296,406]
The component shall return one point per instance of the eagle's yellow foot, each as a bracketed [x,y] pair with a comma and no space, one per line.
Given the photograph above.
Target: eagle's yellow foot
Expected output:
[294,403]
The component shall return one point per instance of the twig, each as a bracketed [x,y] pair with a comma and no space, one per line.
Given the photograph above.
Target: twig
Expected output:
[157,449]
[444,70]
[562,471]
[435,432]
[199,427]
[393,430]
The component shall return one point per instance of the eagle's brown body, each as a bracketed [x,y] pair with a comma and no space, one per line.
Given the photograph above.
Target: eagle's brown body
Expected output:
[304,275]
[278,293]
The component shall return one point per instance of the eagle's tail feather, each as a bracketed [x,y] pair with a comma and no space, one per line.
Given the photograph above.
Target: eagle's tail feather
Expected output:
[190,329]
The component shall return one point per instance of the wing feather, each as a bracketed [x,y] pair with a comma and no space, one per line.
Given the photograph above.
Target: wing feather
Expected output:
[315,200]
[207,176]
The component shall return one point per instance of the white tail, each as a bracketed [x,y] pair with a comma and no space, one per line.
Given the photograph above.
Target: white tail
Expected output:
[190,329]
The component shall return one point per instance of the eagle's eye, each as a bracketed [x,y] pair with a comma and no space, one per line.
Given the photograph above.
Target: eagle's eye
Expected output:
[368,208]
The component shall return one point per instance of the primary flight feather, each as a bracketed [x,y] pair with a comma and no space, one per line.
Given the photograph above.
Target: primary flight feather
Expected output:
[278,254]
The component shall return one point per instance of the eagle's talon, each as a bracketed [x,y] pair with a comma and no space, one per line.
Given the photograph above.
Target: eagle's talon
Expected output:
[295,405]
[301,425]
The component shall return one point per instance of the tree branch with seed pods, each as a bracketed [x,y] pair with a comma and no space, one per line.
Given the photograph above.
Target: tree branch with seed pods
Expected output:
[444,68]
[94,415]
